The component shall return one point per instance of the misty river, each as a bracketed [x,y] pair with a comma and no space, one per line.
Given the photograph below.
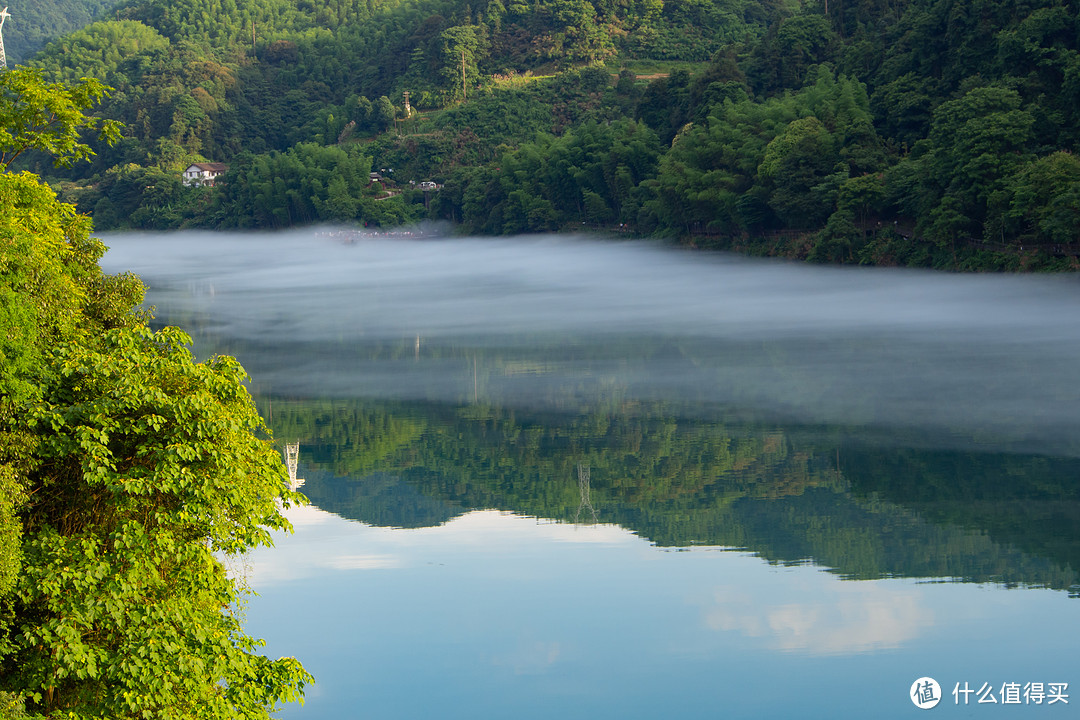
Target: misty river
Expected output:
[559,476]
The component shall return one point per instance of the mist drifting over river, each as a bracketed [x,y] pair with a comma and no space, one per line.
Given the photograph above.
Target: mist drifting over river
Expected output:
[558,320]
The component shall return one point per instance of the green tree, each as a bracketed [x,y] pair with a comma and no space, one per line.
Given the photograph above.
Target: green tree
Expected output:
[48,117]
[797,162]
[309,183]
[127,471]
[36,23]
[107,51]
[979,141]
[1045,201]
[149,465]
[383,113]
[460,50]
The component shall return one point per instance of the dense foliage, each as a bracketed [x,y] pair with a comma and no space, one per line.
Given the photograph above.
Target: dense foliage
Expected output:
[48,118]
[920,132]
[127,472]
[33,24]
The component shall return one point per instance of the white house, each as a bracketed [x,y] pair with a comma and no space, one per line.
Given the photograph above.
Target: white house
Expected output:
[203,173]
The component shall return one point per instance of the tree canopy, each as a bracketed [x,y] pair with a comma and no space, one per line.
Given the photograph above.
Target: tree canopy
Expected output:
[889,133]
[49,117]
[33,24]
[127,472]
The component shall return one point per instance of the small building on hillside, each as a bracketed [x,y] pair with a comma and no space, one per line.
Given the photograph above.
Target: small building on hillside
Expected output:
[204,173]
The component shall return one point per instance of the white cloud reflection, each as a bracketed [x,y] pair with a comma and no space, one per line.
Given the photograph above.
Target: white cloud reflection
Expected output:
[800,610]
[836,618]
[324,542]
[494,614]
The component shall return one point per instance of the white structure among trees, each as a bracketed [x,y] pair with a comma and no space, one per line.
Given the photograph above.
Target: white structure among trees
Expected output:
[204,173]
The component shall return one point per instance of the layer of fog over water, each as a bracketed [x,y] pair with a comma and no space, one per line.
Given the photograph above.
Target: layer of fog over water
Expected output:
[562,477]
[988,358]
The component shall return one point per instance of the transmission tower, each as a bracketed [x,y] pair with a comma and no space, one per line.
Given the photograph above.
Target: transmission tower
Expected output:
[585,488]
[292,457]
[4,15]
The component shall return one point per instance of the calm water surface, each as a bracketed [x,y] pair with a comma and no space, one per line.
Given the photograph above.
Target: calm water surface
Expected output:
[556,477]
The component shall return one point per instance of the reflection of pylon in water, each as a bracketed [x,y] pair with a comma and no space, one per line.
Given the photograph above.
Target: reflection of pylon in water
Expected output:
[583,486]
[292,457]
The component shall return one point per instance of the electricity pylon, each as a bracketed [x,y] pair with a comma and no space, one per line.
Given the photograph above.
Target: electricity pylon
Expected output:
[584,486]
[4,15]
[292,458]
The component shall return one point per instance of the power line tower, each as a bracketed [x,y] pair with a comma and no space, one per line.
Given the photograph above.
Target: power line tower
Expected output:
[292,458]
[4,15]
[585,486]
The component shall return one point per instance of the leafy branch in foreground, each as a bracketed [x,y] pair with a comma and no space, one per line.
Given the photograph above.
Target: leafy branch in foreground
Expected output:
[150,465]
[127,471]
[49,117]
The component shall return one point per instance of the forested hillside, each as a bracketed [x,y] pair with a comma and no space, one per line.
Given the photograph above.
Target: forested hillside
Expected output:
[35,23]
[922,132]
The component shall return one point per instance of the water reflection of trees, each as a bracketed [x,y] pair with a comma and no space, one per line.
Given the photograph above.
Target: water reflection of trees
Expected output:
[791,496]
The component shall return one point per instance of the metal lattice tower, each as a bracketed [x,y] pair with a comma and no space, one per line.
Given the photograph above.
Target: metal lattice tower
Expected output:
[292,458]
[585,488]
[4,15]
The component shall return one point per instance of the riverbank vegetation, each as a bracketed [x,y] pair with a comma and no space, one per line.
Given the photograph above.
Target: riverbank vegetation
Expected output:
[925,132]
[127,470]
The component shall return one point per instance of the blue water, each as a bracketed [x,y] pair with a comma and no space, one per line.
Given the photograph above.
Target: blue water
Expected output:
[494,615]
[555,477]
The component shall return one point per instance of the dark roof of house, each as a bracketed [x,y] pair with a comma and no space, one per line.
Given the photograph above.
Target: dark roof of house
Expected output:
[210,167]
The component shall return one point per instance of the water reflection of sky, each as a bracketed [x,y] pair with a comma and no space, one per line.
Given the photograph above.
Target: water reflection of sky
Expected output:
[493,615]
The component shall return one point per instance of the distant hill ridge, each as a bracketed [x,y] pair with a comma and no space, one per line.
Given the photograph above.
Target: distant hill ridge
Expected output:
[919,132]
